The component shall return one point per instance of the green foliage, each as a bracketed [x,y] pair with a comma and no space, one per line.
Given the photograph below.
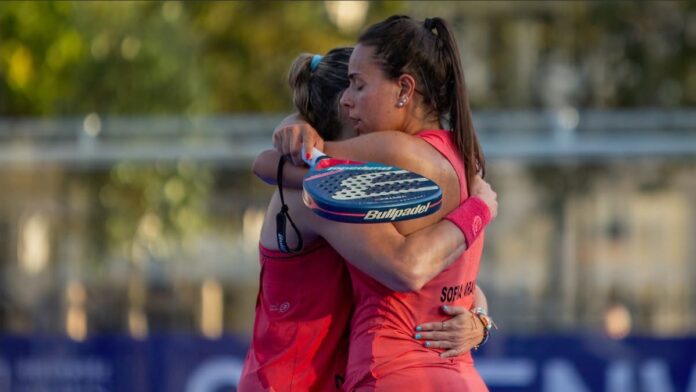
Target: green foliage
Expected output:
[156,208]
[61,58]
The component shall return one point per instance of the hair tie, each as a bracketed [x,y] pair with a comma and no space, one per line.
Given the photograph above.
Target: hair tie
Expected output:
[316,59]
[429,24]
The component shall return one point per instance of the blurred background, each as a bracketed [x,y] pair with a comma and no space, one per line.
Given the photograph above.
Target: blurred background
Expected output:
[129,218]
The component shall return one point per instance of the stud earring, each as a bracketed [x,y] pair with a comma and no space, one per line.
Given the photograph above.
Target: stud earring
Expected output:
[401,102]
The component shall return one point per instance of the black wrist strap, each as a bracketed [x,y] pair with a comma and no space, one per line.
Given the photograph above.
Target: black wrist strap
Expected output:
[283,215]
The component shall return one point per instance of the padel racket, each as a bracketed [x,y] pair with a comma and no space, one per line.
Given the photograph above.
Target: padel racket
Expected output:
[357,192]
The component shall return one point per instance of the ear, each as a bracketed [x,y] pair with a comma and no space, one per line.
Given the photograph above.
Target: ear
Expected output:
[407,87]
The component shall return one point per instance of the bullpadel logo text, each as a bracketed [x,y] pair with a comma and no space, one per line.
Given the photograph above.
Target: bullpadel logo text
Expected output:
[395,213]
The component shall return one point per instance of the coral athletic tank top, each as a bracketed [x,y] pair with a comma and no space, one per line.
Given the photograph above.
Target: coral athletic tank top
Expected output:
[302,313]
[382,340]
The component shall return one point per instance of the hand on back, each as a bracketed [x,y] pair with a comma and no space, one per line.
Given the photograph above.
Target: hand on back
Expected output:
[481,189]
[457,335]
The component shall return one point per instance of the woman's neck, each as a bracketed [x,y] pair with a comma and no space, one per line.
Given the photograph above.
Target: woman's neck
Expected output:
[418,122]
[419,117]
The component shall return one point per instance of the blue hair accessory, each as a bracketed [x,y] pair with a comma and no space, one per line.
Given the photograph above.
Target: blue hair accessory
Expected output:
[316,59]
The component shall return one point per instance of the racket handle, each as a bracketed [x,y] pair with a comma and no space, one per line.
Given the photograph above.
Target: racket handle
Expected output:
[314,158]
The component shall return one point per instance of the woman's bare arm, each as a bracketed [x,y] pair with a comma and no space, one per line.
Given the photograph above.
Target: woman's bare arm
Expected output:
[480,300]
[266,168]
[380,250]
[402,263]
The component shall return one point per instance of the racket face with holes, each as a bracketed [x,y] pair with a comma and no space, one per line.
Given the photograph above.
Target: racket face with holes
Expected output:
[356,192]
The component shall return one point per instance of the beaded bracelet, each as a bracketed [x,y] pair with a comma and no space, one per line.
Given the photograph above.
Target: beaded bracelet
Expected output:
[487,323]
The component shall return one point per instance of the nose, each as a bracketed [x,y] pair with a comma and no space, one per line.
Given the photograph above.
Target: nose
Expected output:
[346,100]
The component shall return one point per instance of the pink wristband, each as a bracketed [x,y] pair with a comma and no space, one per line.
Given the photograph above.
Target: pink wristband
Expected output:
[471,217]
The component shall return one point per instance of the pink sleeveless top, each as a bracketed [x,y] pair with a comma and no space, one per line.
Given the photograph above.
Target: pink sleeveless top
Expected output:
[382,345]
[302,313]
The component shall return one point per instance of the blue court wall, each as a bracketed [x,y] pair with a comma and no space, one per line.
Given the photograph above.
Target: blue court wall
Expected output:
[190,363]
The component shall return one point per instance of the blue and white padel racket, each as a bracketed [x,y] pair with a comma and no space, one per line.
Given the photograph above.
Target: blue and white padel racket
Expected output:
[357,192]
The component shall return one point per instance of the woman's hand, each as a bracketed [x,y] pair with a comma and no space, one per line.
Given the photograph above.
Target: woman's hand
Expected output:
[457,335]
[481,189]
[292,134]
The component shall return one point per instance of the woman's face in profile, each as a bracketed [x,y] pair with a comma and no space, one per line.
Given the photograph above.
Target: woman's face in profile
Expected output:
[371,97]
[347,130]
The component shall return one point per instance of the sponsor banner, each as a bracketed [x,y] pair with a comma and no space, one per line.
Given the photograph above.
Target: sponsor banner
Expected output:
[116,363]
[588,363]
[188,363]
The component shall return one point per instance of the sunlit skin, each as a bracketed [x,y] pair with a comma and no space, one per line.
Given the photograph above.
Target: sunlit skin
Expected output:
[373,103]
[372,98]
[347,129]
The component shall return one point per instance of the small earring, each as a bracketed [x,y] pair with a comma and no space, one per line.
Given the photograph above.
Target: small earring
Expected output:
[401,102]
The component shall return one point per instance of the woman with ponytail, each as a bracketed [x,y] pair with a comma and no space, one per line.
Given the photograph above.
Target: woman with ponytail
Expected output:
[406,76]
[305,300]
[316,82]
[304,303]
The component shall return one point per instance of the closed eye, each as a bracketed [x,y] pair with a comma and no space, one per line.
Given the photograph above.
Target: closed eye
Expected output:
[354,82]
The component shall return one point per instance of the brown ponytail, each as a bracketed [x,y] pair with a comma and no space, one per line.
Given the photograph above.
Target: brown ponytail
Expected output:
[316,92]
[460,118]
[428,51]
[298,79]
